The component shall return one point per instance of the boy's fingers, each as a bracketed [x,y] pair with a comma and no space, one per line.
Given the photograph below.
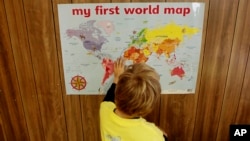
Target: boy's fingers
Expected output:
[121,62]
[118,61]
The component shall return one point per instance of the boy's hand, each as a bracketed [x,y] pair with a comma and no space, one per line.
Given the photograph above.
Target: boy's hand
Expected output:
[118,68]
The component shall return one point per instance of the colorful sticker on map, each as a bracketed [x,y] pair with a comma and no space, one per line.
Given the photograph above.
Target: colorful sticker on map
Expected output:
[166,36]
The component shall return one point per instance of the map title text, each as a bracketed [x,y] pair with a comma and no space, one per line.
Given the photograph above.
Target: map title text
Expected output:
[116,10]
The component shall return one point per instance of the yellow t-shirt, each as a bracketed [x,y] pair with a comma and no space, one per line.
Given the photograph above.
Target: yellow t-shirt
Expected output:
[115,128]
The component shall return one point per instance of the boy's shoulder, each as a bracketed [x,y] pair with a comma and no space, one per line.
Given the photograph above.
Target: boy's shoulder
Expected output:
[108,104]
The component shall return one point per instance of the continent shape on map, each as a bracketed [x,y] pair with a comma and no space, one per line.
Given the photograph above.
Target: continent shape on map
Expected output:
[90,35]
[93,40]
[161,40]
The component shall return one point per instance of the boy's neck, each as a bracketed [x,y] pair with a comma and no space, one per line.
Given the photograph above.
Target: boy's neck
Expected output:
[123,115]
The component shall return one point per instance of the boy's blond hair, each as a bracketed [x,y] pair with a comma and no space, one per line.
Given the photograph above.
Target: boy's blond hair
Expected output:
[137,90]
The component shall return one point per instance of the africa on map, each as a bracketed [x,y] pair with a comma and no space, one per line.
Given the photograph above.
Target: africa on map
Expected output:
[169,43]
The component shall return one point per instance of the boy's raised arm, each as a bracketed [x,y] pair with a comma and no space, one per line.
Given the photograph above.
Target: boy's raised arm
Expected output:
[118,70]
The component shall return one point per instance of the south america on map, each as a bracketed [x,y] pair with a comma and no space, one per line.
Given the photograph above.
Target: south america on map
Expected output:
[170,43]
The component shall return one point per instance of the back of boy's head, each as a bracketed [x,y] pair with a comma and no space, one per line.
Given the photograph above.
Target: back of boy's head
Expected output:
[137,90]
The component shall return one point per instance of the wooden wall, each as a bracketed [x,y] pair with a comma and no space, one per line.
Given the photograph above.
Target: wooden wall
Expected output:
[34,106]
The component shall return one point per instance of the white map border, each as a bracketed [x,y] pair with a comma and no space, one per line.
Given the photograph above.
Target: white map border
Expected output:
[66,21]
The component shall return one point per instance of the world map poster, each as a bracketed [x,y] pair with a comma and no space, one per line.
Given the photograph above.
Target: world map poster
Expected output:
[166,36]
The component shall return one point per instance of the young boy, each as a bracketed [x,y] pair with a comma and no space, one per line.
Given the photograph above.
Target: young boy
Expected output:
[131,97]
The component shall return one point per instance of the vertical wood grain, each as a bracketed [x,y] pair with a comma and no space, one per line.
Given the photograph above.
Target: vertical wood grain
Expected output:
[11,110]
[72,104]
[23,62]
[243,114]
[220,30]
[2,132]
[41,34]
[90,106]
[237,70]
[177,114]
[243,111]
